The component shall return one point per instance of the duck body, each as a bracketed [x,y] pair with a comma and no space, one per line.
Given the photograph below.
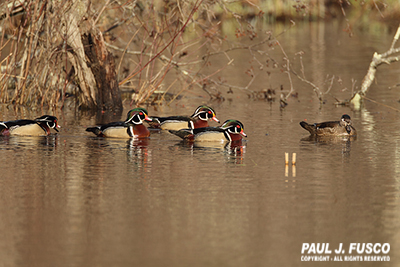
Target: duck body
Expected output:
[231,130]
[198,119]
[131,128]
[38,127]
[120,129]
[331,128]
[114,129]
[172,123]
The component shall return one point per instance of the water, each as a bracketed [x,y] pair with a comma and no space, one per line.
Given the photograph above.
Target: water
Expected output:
[73,199]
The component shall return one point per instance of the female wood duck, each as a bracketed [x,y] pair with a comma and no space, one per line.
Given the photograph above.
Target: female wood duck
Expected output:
[198,119]
[132,127]
[331,128]
[37,127]
[231,130]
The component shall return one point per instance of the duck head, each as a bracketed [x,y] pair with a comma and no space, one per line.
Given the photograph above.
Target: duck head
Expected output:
[345,121]
[49,121]
[205,113]
[234,128]
[137,116]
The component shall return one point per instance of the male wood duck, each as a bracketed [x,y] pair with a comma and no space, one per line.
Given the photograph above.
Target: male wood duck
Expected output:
[331,128]
[38,127]
[230,130]
[198,119]
[132,127]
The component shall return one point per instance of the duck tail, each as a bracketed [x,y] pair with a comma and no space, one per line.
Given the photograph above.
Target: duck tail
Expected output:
[95,130]
[185,134]
[154,123]
[308,127]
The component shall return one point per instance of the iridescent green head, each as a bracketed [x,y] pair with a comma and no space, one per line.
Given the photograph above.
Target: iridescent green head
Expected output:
[234,127]
[137,116]
[50,121]
[205,113]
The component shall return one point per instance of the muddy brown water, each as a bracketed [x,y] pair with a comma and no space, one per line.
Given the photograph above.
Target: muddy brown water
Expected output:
[72,199]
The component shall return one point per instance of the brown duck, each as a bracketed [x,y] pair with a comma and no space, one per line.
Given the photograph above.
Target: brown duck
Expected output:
[331,128]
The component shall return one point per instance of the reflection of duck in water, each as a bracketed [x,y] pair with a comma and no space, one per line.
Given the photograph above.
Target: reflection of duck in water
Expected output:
[132,127]
[330,139]
[233,151]
[48,142]
[331,128]
[229,147]
[198,119]
[138,153]
[331,142]
[230,130]
[38,127]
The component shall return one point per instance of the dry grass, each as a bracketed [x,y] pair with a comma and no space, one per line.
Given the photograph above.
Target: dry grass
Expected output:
[158,44]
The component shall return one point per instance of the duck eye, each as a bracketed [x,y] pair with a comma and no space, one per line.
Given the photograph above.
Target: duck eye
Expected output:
[140,113]
[238,126]
[209,112]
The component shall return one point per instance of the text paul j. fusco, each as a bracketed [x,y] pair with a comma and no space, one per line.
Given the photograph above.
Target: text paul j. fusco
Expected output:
[351,252]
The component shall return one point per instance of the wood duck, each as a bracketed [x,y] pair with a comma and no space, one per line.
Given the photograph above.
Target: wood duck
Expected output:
[38,127]
[198,119]
[230,130]
[132,127]
[331,128]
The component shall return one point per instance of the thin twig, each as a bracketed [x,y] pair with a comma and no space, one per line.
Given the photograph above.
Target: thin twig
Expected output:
[287,71]
[376,102]
[101,12]
[131,75]
[199,80]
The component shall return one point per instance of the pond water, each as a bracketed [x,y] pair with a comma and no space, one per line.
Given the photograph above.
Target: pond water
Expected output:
[73,199]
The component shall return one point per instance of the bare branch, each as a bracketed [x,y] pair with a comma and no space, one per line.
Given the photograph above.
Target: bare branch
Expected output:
[377,60]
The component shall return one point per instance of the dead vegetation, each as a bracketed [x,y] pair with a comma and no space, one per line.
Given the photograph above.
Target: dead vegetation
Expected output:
[53,50]
[85,53]
[50,51]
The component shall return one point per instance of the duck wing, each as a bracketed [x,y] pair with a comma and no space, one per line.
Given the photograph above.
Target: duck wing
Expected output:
[186,134]
[98,130]
[157,121]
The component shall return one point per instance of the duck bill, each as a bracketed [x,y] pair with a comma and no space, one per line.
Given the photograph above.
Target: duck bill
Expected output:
[215,119]
[243,134]
[348,129]
[147,118]
[57,126]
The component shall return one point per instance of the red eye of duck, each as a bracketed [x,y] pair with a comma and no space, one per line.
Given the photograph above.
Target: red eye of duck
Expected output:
[209,112]
[238,126]
[140,113]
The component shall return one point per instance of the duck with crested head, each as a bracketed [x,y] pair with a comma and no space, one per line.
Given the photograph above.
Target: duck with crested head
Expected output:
[229,131]
[331,128]
[199,119]
[38,127]
[131,127]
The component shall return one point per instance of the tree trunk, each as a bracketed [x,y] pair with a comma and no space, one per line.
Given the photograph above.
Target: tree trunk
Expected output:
[92,62]
[102,66]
